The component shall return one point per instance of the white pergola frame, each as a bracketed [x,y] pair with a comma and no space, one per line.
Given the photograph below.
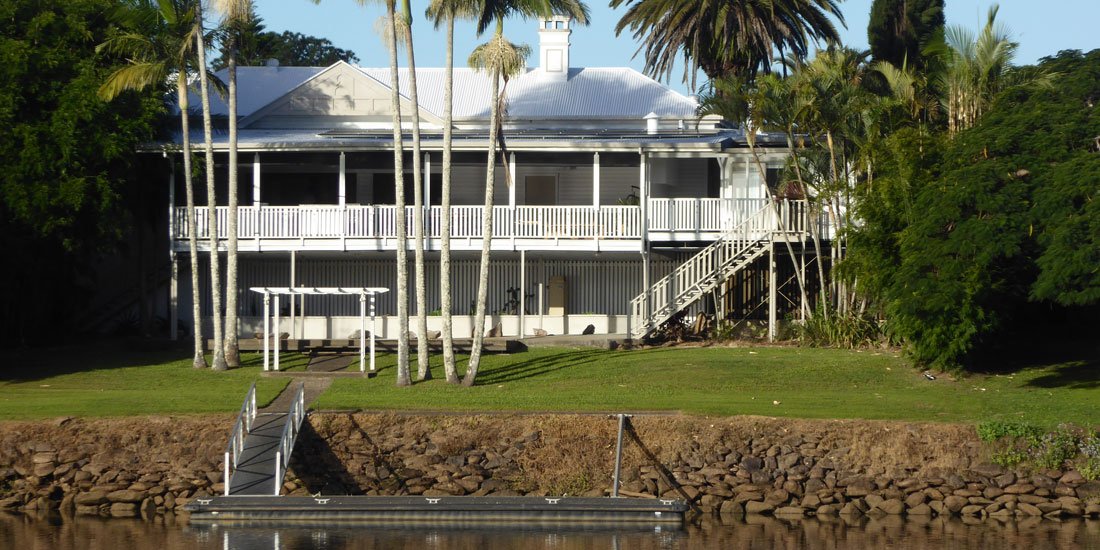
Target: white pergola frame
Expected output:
[366,294]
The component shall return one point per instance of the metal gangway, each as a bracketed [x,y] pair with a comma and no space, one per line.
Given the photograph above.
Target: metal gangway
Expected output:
[260,445]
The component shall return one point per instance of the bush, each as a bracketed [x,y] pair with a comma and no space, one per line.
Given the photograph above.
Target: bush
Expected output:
[829,329]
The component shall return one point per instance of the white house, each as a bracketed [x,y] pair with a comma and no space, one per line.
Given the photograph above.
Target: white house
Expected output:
[625,206]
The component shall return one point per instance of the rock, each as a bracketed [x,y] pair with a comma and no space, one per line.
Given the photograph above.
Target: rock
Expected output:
[915,499]
[1089,492]
[1048,507]
[810,501]
[126,495]
[731,509]
[1072,477]
[992,492]
[954,503]
[859,488]
[1028,509]
[1092,509]
[972,510]
[827,510]
[91,498]
[1004,480]
[988,470]
[148,509]
[892,506]
[938,507]
[851,510]
[49,457]
[1019,488]
[920,510]
[752,463]
[124,510]
[873,500]
[790,512]
[753,507]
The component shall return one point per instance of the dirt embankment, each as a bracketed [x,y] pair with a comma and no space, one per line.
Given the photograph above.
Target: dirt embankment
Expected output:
[730,466]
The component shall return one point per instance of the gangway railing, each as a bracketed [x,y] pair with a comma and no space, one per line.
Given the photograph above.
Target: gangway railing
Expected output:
[241,428]
[293,425]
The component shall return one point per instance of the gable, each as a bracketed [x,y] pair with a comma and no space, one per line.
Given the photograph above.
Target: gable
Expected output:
[340,95]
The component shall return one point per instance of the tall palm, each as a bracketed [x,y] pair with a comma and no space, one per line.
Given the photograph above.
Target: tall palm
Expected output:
[423,369]
[725,37]
[158,38]
[445,12]
[390,34]
[211,197]
[237,14]
[502,60]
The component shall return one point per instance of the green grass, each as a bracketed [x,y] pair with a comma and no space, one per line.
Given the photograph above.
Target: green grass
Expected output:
[807,383]
[102,380]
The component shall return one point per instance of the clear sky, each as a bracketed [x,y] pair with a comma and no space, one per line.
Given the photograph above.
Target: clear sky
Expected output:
[1042,27]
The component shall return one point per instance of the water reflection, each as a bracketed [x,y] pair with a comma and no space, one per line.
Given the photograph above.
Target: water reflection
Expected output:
[23,532]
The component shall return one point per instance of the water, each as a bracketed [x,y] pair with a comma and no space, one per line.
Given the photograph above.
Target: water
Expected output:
[23,532]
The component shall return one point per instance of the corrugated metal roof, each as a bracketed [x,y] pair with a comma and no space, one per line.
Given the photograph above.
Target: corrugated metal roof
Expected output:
[589,93]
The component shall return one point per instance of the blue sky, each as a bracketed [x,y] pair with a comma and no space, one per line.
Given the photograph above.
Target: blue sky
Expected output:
[1041,27]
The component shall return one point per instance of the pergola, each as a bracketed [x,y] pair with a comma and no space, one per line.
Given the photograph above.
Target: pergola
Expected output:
[366,294]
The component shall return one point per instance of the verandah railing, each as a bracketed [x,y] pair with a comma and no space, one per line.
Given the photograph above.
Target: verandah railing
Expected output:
[530,222]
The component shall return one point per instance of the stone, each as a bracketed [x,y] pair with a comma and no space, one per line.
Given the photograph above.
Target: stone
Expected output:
[873,500]
[1019,488]
[810,501]
[91,498]
[126,495]
[988,470]
[892,506]
[920,510]
[752,463]
[851,510]
[938,507]
[753,507]
[1089,492]
[731,509]
[992,492]
[859,488]
[1072,477]
[790,512]
[1048,507]
[1028,509]
[124,510]
[972,510]
[827,510]
[915,499]
[48,457]
[1004,480]
[954,503]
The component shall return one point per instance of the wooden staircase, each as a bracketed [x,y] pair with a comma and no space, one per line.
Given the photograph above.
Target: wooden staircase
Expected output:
[702,273]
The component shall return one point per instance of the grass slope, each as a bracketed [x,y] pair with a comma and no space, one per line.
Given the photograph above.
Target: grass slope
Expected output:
[722,381]
[806,383]
[104,381]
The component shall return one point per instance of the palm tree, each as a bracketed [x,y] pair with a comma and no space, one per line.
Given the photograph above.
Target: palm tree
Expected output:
[158,38]
[445,12]
[501,59]
[725,37]
[237,13]
[423,370]
[211,197]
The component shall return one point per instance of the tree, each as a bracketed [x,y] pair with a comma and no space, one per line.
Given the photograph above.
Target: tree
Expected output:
[445,12]
[236,14]
[256,46]
[67,157]
[211,197]
[501,60]
[976,69]
[725,37]
[158,39]
[900,29]
[423,370]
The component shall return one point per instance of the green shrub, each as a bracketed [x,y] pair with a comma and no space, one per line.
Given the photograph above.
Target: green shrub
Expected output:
[1009,458]
[1089,469]
[829,329]
[1054,449]
[996,429]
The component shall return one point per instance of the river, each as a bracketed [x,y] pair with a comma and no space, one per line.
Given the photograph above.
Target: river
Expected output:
[54,533]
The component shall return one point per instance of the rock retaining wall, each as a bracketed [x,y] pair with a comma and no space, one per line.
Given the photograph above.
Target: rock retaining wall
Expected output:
[727,466]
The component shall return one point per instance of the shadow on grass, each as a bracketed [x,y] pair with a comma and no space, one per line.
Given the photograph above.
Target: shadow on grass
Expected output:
[30,365]
[540,366]
[1074,375]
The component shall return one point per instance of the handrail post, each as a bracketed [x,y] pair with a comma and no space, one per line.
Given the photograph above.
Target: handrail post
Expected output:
[225,479]
[278,481]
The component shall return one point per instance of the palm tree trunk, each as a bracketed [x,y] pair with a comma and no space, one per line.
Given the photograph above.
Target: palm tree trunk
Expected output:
[810,225]
[486,235]
[445,253]
[399,193]
[423,369]
[232,350]
[211,200]
[199,360]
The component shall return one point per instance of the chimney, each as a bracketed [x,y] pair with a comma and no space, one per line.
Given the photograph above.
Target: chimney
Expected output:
[554,46]
[652,121]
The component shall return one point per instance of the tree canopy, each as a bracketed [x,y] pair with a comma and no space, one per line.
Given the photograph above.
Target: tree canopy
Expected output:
[68,157]
[900,29]
[255,46]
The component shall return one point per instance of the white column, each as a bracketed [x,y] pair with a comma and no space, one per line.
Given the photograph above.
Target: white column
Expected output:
[171,204]
[256,179]
[362,331]
[512,182]
[772,292]
[596,180]
[174,299]
[643,190]
[267,328]
[277,335]
[293,282]
[427,194]
[522,292]
[342,189]
[373,327]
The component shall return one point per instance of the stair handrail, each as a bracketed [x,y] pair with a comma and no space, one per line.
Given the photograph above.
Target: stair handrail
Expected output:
[241,428]
[291,429]
[734,242]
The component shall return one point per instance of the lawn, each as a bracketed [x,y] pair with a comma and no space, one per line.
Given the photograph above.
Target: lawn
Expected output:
[103,380]
[770,381]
